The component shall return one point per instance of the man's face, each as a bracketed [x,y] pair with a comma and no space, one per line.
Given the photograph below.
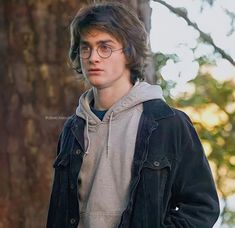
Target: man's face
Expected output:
[100,70]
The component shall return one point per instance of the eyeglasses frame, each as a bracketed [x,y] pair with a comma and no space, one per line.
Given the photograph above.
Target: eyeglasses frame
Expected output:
[99,53]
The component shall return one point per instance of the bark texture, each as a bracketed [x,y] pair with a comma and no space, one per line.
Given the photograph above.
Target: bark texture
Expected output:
[38,91]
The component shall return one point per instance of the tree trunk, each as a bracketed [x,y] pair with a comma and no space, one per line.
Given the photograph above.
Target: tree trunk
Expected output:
[38,91]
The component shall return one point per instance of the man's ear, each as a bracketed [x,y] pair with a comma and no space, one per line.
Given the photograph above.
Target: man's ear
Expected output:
[127,51]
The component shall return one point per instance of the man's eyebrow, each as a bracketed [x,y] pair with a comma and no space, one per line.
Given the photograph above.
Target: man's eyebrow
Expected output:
[105,41]
[98,42]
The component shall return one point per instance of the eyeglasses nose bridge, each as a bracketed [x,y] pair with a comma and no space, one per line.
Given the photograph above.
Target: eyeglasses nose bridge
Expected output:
[94,53]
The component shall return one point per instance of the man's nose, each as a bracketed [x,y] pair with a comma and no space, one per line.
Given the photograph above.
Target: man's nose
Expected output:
[94,57]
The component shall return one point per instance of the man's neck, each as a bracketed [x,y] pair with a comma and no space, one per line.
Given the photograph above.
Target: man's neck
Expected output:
[104,98]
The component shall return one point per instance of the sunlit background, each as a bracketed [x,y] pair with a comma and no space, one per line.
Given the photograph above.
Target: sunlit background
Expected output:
[171,35]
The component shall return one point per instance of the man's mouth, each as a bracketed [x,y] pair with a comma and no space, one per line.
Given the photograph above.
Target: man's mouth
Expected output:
[94,70]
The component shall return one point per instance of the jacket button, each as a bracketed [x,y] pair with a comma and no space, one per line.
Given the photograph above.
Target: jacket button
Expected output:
[156,163]
[77,152]
[72,186]
[72,220]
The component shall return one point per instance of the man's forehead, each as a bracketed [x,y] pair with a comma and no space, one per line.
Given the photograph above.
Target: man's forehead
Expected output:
[97,36]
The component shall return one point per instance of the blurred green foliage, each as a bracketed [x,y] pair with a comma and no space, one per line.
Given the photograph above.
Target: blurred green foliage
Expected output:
[211,106]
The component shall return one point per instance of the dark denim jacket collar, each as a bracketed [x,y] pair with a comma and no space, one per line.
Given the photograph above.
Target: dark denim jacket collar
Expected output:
[77,127]
[157,109]
[153,109]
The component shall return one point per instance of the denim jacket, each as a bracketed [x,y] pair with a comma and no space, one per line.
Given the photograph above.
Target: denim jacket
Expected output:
[171,185]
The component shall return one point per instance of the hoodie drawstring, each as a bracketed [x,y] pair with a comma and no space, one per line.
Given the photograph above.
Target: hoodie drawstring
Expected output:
[88,137]
[109,133]
[108,138]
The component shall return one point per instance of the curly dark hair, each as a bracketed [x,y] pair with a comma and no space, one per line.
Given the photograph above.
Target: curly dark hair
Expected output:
[121,22]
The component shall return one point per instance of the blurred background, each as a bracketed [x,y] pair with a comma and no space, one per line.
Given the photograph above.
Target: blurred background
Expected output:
[193,46]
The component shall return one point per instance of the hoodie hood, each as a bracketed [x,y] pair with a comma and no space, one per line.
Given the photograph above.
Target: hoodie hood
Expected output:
[139,93]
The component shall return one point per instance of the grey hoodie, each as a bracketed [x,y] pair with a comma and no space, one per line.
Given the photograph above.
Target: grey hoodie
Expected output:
[104,178]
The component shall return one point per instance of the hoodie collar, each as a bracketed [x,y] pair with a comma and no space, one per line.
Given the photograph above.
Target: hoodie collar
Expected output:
[140,92]
[156,109]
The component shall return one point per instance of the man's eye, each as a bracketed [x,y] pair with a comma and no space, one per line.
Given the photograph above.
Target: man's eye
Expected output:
[84,48]
[105,48]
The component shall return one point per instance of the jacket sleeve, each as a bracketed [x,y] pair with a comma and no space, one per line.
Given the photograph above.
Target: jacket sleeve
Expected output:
[194,194]
[55,189]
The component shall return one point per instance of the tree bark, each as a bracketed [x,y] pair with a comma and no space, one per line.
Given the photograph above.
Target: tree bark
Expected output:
[38,92]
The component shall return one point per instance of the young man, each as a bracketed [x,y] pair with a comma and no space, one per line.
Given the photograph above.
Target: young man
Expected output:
[126,159]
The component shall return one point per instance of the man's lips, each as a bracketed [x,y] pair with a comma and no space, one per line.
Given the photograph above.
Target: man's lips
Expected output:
[94,71]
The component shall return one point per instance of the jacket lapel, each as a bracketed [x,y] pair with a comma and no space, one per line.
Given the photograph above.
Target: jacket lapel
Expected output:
[77,128]
[157,109]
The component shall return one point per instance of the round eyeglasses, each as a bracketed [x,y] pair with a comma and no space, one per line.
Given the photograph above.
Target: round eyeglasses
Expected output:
[103,51]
